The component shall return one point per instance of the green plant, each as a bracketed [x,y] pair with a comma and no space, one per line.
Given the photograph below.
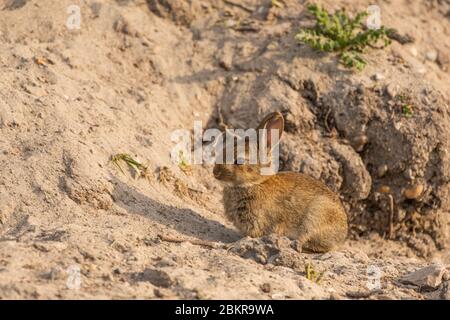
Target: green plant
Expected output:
[407,106]
[139,168]
[312,274]
[339,33]
[407,110]
[183,164]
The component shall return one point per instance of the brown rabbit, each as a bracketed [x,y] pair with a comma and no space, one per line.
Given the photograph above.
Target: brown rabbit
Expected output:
[287,203]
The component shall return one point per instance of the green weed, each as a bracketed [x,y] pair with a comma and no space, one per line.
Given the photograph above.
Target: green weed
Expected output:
[139,168]
[312,274]
[340,33]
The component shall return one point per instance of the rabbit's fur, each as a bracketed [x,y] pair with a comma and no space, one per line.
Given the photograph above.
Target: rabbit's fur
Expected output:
[287,203]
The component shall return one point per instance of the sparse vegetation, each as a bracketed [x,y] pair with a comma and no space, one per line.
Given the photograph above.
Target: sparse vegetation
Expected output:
[406,106]
[340,33]
[312,274]
[183,163]
[407,110]
[139,168]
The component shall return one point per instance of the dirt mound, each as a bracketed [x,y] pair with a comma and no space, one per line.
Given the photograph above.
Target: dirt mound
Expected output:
[382,144]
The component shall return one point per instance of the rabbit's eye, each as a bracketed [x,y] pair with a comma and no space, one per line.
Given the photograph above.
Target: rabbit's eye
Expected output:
[239,160]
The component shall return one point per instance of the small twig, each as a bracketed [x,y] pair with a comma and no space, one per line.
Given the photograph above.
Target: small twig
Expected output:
[391,216]
[191,241]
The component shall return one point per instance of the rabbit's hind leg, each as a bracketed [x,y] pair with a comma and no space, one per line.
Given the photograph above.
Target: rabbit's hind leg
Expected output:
[326,239]
[318,245]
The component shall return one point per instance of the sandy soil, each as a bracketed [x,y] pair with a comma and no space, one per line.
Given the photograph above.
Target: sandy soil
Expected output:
[136,71]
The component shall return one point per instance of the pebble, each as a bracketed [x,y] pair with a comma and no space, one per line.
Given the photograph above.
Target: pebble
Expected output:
[429,277]
[378,76]
[432,55]
[265,287]
[278,296]
[359,142]
[408,174]
[414,192]
[392,90]
[401,214]
[421,69]
[446,276]
[382,170]
[413,51]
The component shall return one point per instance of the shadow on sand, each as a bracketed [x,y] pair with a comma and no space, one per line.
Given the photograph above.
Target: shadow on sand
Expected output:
[184,220]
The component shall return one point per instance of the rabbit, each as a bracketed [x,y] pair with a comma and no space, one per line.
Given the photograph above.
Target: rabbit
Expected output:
[291,204]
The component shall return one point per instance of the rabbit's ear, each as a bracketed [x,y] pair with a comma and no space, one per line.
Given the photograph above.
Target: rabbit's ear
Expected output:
[273,121]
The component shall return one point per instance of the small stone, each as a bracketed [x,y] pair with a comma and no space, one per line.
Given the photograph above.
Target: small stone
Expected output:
[382,170]
[378,76]
[385,189]
[359,142]
[278,296]
[414,192]
[428,278]
[446,276]
[392,90]
[408,174]
[401,214]
[421,69]
[265,287]
[413,51]
[432,55]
